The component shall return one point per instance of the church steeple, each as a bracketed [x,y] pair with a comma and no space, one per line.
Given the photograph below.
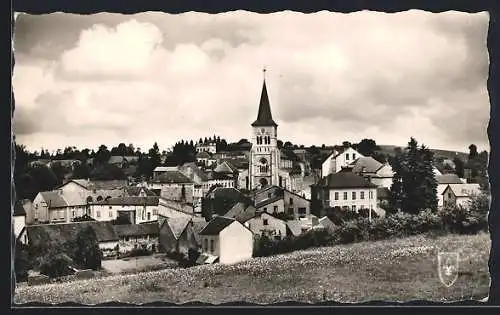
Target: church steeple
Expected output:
[264,116]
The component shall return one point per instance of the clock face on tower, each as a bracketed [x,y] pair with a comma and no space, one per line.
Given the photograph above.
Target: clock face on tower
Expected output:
[262,130]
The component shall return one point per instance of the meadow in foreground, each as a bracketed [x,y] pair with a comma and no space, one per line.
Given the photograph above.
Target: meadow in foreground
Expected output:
[391,270]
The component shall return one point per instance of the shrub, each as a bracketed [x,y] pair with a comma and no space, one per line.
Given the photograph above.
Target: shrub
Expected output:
[87,253]
[138,251]
[22,262]
[55,264]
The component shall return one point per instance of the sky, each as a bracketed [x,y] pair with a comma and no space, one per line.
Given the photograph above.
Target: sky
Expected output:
[87,80]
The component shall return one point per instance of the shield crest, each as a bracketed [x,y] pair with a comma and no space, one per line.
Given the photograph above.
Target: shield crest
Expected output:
[448,268]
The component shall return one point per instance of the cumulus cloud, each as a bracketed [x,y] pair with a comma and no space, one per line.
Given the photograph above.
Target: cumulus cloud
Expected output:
[332,77]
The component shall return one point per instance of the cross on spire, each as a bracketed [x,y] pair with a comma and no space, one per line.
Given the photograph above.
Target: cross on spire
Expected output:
[264,72]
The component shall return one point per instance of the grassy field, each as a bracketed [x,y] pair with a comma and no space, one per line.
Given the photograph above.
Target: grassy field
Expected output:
[394,270]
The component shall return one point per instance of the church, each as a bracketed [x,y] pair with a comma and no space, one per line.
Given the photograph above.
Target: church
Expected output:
[267,166]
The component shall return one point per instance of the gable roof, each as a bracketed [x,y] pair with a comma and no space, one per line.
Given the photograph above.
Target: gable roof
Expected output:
[54,199]
[150,228]
[216,225]
[47,234]
[241,211]
[448,179]
[178,225]
[101,184]
[345,180]
[19,209]
[130,200]
[172,177]
[264,116]
[366,164]
[464,190]
[135,191]
[225,167]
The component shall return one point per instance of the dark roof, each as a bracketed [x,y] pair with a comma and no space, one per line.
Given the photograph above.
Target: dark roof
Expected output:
[50,234]
[172,177]
[202,155]
[216,225]
[135,191]
[54,199]
[101,184]
[448,179]
[19,209]
[268,201]
[130,200]
[136,229]
[345,180]
[264,116]
[366,164]
[383,193]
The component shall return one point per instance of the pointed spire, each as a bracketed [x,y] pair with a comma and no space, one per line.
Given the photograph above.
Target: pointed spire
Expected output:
[264,116]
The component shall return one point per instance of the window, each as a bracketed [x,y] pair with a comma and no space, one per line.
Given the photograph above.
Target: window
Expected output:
[353,195]
[336,196]
[353,207]
[268,195]
[265,209]
[73,213]
[449,195]
[354,156]
[265,222]
[302,212]
[98,213]
[206,245]
[155,211]
[370,194]
[347,156]
[275,209]
[211,245]
[362,195]
[345,195]
[149,216]
[110,207]
[110,214]
[291,201]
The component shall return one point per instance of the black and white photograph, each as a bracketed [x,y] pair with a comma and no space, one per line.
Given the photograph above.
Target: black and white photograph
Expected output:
[246,157]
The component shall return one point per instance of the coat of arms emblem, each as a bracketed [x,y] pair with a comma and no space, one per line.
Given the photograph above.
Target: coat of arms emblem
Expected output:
[448,268]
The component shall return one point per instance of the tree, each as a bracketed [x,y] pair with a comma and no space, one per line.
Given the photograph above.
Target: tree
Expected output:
[55,264]
[155,158]
[459,167]
[102,155]
[81,171]
[107,171]
[60,172]
[280,144]
[22,261]
[367,147]
[414,185]
[472,152]
[87,252]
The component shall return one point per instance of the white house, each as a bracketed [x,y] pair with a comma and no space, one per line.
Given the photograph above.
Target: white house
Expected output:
[347,191]
[210,147]
[379,174]
[264,223]
[227,239]
[339,159]
[442,183]
[460,194]
[137,209]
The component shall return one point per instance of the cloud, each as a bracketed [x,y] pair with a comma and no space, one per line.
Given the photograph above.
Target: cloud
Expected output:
[157,77]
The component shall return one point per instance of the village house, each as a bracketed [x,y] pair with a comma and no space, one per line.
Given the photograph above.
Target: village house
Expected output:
[276,200]
[136,209]
[339,159]
[300,226]
[50,207]
[227,239]
[53,235]
[172,179]
[180,234]
[162,169]
[460,194]
[137,236]
[380,174]
[265,224]
[219,200]
[19,220]
[210,147]
[173,208]
[202,158]
[347,191]
[442,183]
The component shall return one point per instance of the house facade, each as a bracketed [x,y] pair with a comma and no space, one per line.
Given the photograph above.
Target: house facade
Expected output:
[179,235]
[339,159]
[227,239]
[137,209]
[266,224]
[460,194]
[275,200]
[442,183]
[210,147]
[347,191]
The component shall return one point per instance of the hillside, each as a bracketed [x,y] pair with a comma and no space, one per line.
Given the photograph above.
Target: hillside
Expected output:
[389,149]
[395,270]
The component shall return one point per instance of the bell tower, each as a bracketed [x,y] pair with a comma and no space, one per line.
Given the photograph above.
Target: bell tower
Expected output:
[264,155]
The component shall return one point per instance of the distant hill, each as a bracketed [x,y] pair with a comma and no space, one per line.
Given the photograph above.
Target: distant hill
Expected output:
[389,149]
